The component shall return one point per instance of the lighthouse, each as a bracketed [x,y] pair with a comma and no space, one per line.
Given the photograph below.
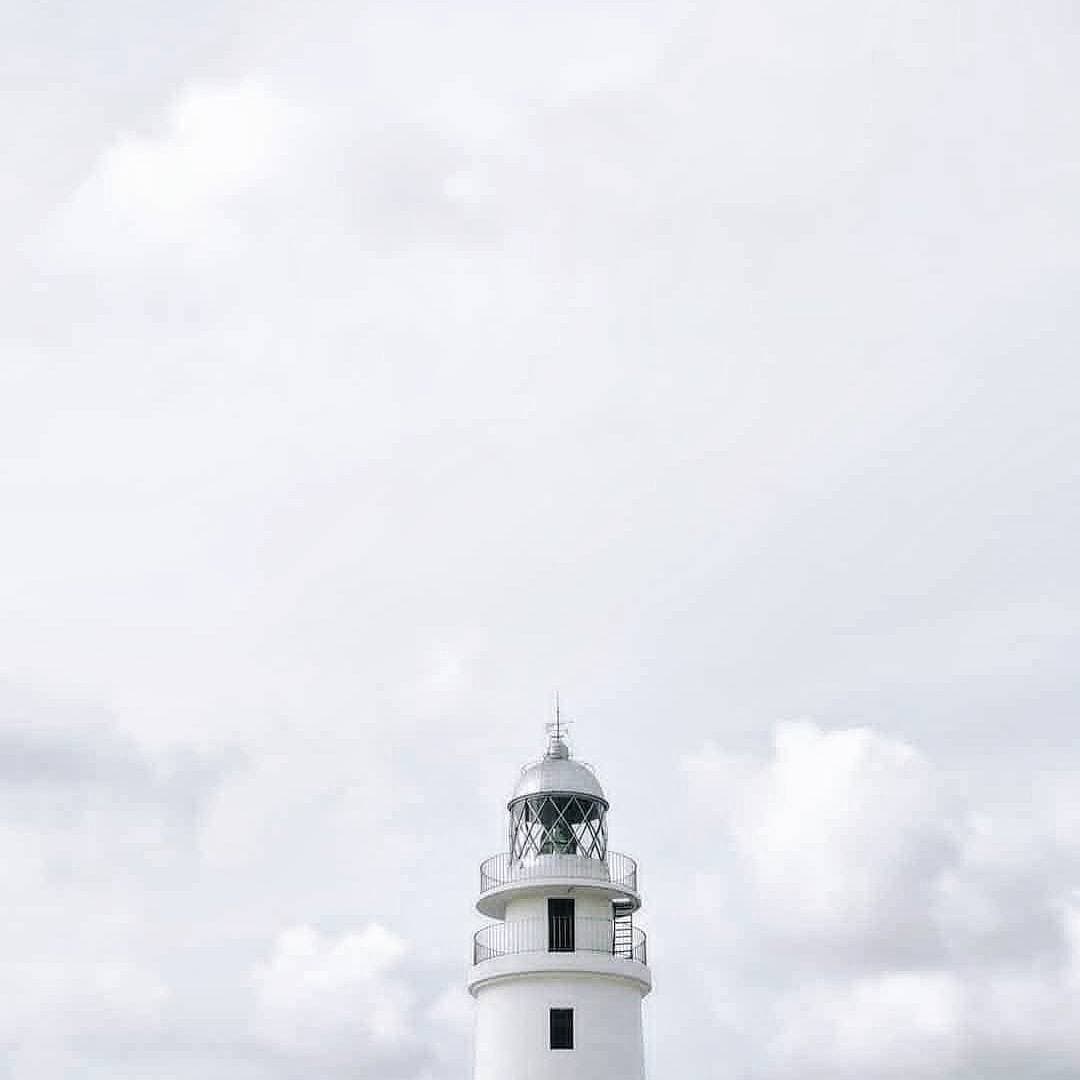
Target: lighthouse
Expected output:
[560,973]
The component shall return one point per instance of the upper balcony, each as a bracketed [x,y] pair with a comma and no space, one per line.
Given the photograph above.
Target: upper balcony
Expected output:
[501,874]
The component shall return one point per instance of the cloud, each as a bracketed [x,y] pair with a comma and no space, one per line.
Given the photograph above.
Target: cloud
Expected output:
[118,953]
[71,1000]
[842,836]
[339,1005]
[895,1024]
[386,366]
[185,185]
[89,824]
[886,927]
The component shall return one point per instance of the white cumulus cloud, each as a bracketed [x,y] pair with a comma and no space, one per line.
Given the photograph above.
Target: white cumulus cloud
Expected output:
[841,835]
[887,927]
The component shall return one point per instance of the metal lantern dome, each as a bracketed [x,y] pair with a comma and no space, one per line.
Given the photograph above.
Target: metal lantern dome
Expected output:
[558,808]
[556,771]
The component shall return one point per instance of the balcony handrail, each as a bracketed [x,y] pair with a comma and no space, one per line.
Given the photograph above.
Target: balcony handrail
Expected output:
[614,869]
[591,935]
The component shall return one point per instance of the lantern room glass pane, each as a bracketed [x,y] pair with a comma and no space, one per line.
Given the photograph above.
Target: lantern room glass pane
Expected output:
[558,825]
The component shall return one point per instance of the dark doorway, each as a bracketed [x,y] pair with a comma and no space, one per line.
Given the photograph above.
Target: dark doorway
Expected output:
[560,926]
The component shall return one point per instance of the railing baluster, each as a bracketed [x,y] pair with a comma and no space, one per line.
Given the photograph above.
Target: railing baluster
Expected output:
[531,935]
[503,869]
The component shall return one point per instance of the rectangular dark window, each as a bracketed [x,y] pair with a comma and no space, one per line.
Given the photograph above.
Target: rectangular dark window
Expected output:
[560,925]
[562,1029]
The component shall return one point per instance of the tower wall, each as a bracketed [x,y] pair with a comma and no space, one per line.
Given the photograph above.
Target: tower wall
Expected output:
[512,1029]
[588,903]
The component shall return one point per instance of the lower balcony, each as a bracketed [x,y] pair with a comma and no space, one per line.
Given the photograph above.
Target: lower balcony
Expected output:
[606,936]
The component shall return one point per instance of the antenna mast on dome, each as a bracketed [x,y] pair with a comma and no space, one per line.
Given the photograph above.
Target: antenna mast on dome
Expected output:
[557,747]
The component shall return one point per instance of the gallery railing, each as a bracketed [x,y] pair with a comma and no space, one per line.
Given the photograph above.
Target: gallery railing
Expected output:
[619,870]
[534,935]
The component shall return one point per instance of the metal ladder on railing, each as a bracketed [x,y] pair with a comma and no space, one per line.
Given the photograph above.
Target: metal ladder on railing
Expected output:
[622,929]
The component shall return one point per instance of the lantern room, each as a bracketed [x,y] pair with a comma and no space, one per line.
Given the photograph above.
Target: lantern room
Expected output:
[558,808]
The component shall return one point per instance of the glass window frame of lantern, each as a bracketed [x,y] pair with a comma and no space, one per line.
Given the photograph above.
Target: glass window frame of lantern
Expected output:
[558,823]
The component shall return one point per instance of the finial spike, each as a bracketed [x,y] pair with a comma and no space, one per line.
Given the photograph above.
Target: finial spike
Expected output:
[557,732]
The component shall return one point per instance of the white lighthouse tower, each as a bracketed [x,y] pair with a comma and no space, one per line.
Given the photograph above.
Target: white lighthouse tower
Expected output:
[560,975]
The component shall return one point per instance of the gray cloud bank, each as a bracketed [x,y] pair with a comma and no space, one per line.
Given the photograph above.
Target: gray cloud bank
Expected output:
[837,905]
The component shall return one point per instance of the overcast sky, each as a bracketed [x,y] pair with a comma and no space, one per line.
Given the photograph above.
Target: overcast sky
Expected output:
[370,371]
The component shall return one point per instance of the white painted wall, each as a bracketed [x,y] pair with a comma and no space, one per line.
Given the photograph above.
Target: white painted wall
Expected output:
[588,904]
[512,1031]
